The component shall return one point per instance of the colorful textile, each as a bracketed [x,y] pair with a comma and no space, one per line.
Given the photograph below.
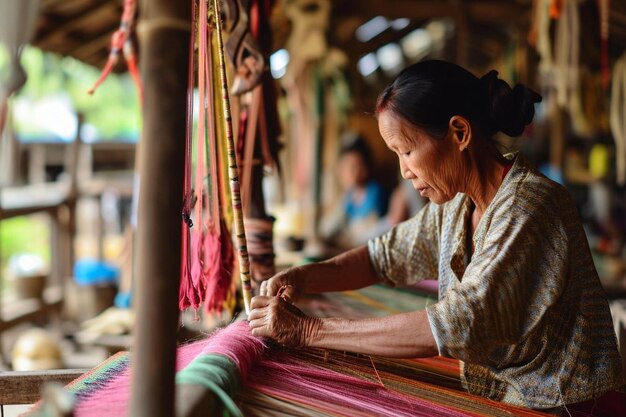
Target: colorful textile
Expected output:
[311,382]
[526,314]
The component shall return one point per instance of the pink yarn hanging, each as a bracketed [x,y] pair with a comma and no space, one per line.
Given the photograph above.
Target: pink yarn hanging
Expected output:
[219,250]
[208,259]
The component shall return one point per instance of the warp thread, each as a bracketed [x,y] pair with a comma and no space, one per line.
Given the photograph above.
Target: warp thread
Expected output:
[313,382]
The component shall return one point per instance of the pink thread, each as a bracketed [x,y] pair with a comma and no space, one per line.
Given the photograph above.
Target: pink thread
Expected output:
[235,341]
[218,269]
[300,380]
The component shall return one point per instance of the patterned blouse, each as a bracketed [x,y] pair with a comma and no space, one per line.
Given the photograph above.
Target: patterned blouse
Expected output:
[526,314]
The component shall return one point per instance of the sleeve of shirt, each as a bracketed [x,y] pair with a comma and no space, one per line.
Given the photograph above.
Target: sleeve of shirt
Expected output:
[506,289]
[409,252]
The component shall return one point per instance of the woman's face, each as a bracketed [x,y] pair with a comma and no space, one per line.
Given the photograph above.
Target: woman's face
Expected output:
[434,166]
[352,170]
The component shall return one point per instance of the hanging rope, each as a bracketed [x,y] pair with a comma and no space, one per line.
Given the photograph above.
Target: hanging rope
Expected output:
[617,120]
[187,293]
[604,8]
[233,173]
[121,42]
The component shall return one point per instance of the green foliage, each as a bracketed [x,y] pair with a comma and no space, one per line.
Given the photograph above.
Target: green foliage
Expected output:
[24,235]
[113,110]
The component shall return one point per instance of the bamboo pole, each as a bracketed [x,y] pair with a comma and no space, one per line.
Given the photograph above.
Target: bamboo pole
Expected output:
[164,33]
[233,172]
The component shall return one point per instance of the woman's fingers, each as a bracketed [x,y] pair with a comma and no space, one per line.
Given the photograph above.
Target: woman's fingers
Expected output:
[274,318]
[263,288]
[289,293]
[260,301]
[270,287]
[257,313]
[273,286]
[257,323]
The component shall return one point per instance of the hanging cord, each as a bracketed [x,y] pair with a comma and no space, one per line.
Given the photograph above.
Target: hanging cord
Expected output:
[233,173]
[187,188]
[617,120]
[247,160]
[186,295]
[604,9]
[121,42]
[215,187]
[566,54]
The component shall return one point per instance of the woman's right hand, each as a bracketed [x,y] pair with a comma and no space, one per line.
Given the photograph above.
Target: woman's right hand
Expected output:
[289,284]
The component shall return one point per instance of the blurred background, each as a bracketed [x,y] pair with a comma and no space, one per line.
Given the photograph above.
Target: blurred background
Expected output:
[67,158]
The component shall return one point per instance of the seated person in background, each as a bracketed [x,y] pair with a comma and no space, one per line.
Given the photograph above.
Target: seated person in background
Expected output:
[359,218]
[404,203]
[364,196]
[364,201]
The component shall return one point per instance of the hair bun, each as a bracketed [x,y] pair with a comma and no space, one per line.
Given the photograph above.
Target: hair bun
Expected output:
[509,109]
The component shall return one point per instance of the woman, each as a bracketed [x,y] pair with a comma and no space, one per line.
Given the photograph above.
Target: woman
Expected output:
[520,303]
[364,202]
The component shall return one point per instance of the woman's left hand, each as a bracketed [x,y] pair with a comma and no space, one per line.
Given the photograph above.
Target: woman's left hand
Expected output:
[281,321]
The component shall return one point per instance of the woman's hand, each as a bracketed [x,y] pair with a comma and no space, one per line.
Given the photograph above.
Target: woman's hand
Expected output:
[288,284]
[281,321]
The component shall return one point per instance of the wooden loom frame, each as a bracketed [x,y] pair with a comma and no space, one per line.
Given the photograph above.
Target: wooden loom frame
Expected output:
[164,34]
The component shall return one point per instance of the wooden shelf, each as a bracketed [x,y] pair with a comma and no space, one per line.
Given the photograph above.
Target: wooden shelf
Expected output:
[25,387]
[20,201]
[29,309]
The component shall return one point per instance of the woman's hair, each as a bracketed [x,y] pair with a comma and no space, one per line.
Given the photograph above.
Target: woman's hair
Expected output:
[358,145]
[429,93]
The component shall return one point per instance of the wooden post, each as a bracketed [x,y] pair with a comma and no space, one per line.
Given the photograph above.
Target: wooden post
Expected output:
[557,136]
[164,34]
[462,35]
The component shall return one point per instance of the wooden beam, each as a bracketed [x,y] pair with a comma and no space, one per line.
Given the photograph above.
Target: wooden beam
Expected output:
[30,309]
[358,49]
[164,34]
[84,51]
[25,387]
[412,9]
[58,34]
[477,11]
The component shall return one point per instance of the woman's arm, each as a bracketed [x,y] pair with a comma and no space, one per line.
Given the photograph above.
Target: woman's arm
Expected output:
[402,335]
[406,335]
[349,271]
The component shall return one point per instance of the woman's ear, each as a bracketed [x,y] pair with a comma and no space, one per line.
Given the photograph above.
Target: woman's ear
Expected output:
[461,131]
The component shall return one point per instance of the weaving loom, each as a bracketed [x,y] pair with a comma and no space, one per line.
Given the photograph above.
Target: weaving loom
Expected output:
[311,382]
[247,375]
